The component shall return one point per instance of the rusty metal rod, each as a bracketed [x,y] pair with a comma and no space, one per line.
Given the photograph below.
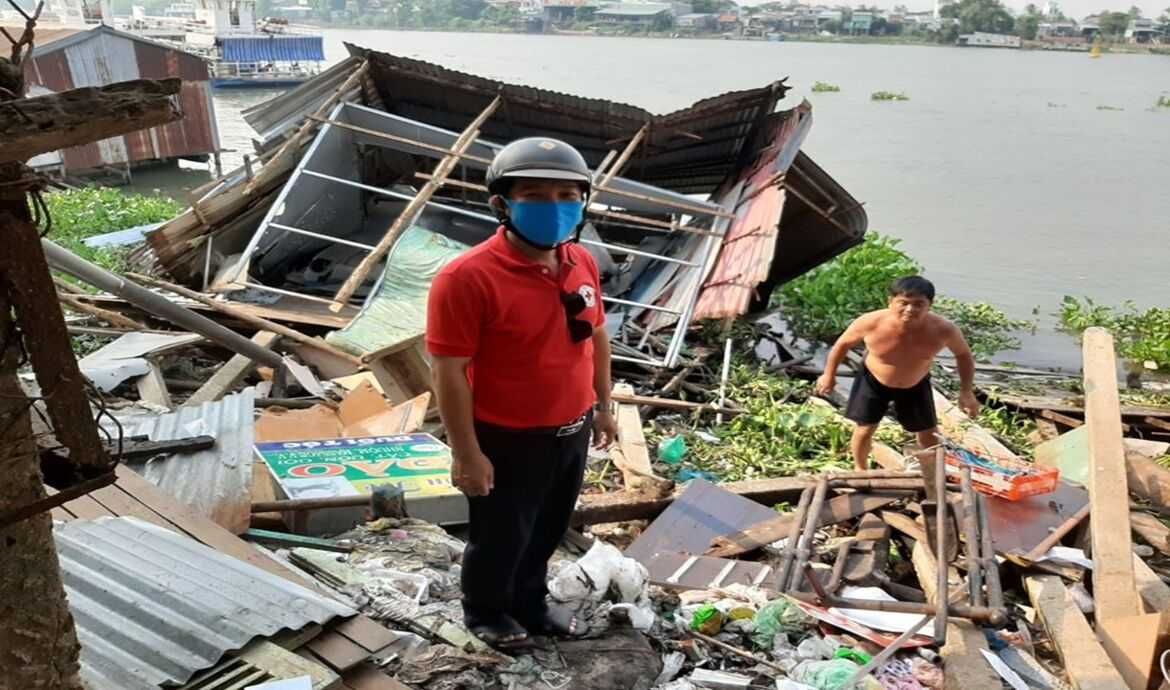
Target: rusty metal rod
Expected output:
[793,537]
[990,565]
[1057,534]
[979,614]
[940,516]
[971,535]
[838,567]
[811,522]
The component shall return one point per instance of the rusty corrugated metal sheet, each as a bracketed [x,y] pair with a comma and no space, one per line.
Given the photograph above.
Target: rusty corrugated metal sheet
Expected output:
[103,56]
[691,150]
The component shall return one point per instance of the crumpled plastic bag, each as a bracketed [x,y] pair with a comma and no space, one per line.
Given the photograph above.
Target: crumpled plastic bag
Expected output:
[641,616]
[831,675]
[680,684]
[779,616]
[671,665]
[593,575]
[707,620]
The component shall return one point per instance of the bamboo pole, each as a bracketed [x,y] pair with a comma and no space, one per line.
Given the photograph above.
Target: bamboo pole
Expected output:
[111,317]
[625,156]
[404,219]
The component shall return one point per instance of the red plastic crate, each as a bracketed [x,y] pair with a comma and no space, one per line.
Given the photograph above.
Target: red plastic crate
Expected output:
[1004,477]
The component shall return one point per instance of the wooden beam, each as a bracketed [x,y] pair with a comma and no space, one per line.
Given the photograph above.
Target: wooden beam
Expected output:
[1085,661]
[408,214]
[625,156]
[1147,479]
[152,388]
[1113,583]
[672,404]
[630,454]
[1154,592]
[231,374]
[1151,530]
[32,126]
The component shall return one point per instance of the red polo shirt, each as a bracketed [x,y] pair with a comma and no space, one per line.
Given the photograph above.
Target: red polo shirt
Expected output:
[504,311]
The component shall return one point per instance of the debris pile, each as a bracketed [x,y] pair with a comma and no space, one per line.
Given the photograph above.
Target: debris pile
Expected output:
[262,377]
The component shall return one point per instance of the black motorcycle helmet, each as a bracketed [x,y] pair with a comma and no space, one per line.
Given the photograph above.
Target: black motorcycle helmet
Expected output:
[538,158]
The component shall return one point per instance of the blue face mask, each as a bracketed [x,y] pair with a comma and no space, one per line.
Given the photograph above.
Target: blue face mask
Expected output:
[546,224]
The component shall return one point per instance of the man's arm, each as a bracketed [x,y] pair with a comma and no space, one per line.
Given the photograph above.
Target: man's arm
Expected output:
[604,424]
[965,361]
[471,471]
[851,338]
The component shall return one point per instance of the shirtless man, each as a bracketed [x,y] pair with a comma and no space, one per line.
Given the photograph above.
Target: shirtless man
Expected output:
[901,342]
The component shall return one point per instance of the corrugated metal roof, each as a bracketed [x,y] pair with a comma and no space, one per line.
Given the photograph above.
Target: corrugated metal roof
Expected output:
[216,482]
[283,112]
[690,151]
[153,607]
[274,49]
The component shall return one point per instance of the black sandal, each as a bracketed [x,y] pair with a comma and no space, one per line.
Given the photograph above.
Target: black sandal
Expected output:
[501,632]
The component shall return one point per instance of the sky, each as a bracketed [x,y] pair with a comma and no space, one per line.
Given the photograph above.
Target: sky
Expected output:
[1077,9]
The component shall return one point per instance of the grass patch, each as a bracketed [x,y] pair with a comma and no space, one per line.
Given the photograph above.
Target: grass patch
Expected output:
[888,96]
[825,87]
[82,213]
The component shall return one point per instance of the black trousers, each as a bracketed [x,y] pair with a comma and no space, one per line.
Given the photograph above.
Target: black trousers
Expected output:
[516,528]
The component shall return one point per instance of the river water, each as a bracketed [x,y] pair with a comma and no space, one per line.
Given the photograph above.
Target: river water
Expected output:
[1004,174]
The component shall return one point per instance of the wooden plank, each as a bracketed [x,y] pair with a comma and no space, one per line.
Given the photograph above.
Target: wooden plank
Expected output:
[1113,583]
[957,426]
[1135,644]
[1085,661]
[86,508]
[152,388]
[280,664]
[963,663]
[231,374]
[1146,478]
[1157,423]
[367,676]
[837,509]
[363,631]
[200,528]
[81,116]
[338,652]
[1153,590]
[1151,530]
[120,503]
[631,455]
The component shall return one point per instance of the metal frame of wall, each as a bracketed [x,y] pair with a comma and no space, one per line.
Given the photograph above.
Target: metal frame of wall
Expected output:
[363,125]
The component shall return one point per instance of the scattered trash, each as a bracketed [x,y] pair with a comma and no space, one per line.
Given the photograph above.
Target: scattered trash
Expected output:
[672,450]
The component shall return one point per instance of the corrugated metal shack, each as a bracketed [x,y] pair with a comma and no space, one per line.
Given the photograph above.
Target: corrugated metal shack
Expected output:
[68,59]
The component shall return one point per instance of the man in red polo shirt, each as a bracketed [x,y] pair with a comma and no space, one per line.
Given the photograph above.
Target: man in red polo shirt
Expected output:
[521,362]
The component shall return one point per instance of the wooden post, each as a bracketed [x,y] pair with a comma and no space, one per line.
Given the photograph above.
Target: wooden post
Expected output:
[624,158]
[1113,584]
[404,219]
[1085,661]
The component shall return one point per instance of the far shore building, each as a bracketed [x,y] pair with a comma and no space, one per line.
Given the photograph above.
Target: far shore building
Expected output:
[1142,30]
[564,12]
[639,14]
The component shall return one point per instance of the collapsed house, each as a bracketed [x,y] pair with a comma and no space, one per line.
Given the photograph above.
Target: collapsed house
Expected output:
[385,140]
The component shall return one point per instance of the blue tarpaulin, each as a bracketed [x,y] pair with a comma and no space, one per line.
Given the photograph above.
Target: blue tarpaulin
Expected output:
[274,49]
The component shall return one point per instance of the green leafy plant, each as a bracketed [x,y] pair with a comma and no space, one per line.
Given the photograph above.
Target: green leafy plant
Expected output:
[81,213]
[987,329]
[822,303]
[1012,428]
[1143,337]
[1162,102]
[888,96]
[825,87]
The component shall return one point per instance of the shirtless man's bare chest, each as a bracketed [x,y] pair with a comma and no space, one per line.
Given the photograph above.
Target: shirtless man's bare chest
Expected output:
[901,355]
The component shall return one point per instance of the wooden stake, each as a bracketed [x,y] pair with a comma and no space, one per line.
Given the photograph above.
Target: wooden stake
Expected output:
[625,156]
[404,219]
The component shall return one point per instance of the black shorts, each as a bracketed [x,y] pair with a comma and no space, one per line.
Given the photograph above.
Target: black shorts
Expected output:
[869,399]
